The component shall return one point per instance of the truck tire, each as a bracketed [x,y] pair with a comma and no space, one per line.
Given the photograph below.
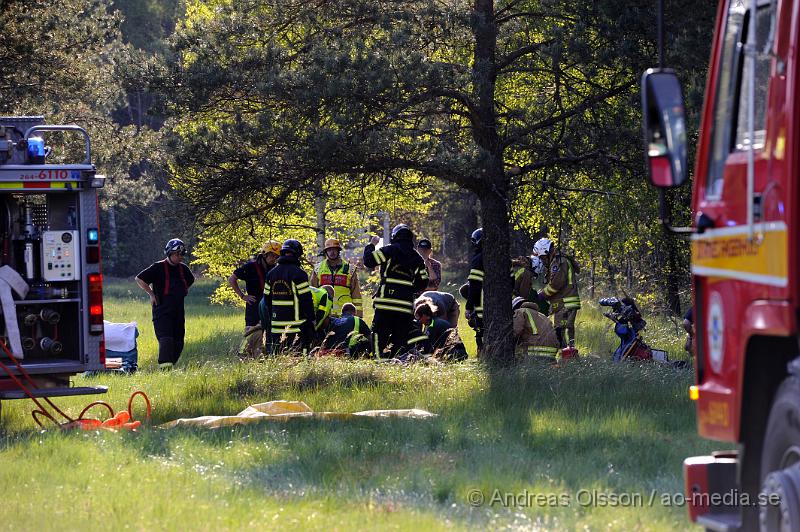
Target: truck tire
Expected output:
[780,459]
[785,485]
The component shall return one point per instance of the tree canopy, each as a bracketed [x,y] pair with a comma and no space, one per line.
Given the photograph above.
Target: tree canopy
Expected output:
[522,102]
[264,118]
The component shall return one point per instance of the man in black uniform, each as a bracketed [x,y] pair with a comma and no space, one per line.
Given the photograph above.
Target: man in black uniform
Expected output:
[403,275]
[254,274]
[474,312]
[167,283]
[288,302]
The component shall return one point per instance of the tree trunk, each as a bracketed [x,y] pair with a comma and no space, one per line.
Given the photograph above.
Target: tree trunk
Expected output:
[319,208]
[629,274]
[592,261]
[673,281]
[387,229]
[611,271]
[443,249]
[498,335]
[494,191]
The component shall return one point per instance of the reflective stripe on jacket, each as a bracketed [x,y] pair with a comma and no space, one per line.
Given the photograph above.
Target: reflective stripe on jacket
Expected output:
[533,332]
[342,280]
[562,284]
[288,297]
[403,275]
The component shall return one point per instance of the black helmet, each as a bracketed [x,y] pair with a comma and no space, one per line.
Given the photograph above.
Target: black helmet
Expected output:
[402,232]
[175,245]
[477,236]
[292,246]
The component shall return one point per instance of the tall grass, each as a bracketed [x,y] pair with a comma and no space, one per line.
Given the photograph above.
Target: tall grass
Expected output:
[534,430]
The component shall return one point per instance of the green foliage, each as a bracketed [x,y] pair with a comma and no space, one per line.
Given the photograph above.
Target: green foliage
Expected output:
[224,247]
[368,106]
[55,58]
[148,23]
[346,215]
[65,60]
[293,94]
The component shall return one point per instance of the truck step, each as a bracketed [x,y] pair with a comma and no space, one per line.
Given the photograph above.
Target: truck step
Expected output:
[54,392]
[721,522]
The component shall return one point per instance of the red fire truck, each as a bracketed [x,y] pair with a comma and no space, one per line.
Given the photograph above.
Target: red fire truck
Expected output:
[51,292]
[745,240]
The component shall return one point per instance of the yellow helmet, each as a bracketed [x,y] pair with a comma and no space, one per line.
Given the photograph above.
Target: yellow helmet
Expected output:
[332,243]
[271,247]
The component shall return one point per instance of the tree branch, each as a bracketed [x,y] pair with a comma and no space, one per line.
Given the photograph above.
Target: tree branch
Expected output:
[502,20]
[509,58]
[560,117]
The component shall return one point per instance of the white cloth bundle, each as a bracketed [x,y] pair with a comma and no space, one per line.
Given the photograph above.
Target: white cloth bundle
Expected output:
[11,280]
[120,337]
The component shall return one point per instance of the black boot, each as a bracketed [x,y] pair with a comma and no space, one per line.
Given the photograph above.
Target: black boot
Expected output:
[166,352]
[560,336]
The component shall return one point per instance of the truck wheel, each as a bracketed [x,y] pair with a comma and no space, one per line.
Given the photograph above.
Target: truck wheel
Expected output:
[780,459]
[785,486]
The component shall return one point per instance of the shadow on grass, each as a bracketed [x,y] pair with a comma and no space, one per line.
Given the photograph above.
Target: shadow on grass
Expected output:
[580,425]
[576,426]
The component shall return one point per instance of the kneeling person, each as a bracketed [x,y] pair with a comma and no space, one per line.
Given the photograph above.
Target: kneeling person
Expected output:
[444,304]
[535,335]
[441,339]
[348,334]
[323,305]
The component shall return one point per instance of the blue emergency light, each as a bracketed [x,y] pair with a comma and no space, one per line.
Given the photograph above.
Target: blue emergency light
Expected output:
[36,150]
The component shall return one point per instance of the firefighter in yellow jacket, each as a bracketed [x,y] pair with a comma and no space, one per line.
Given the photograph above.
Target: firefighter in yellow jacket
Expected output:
[561,289]
[527,273]
[340,275]
[534,334]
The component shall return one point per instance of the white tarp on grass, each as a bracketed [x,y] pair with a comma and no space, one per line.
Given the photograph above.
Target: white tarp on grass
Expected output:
[285,410]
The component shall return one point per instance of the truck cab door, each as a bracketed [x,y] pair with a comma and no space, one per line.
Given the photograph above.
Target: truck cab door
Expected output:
[734,264]
[725,247]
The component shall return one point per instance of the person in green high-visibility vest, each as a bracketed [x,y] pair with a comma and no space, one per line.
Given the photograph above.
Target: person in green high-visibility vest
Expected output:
[323,304]
[347,335]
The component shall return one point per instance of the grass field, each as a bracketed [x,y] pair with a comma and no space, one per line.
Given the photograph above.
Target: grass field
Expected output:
[564,440]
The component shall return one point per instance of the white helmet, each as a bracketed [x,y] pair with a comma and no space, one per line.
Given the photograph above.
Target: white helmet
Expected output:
[536,265]
[542,247]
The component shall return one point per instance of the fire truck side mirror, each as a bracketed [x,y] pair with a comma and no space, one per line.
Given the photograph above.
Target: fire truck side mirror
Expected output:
[664,126]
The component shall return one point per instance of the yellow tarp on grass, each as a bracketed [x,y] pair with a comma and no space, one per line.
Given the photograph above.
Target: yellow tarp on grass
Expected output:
[283,410]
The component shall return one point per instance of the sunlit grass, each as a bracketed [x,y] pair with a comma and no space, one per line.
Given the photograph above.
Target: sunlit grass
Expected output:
[535,429]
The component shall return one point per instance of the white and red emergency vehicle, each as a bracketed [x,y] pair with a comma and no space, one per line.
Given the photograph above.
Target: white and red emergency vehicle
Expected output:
[50,281]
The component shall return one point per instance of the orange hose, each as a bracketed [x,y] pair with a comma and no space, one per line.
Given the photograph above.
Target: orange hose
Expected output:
[96,403]
[146,400]
[120,419]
